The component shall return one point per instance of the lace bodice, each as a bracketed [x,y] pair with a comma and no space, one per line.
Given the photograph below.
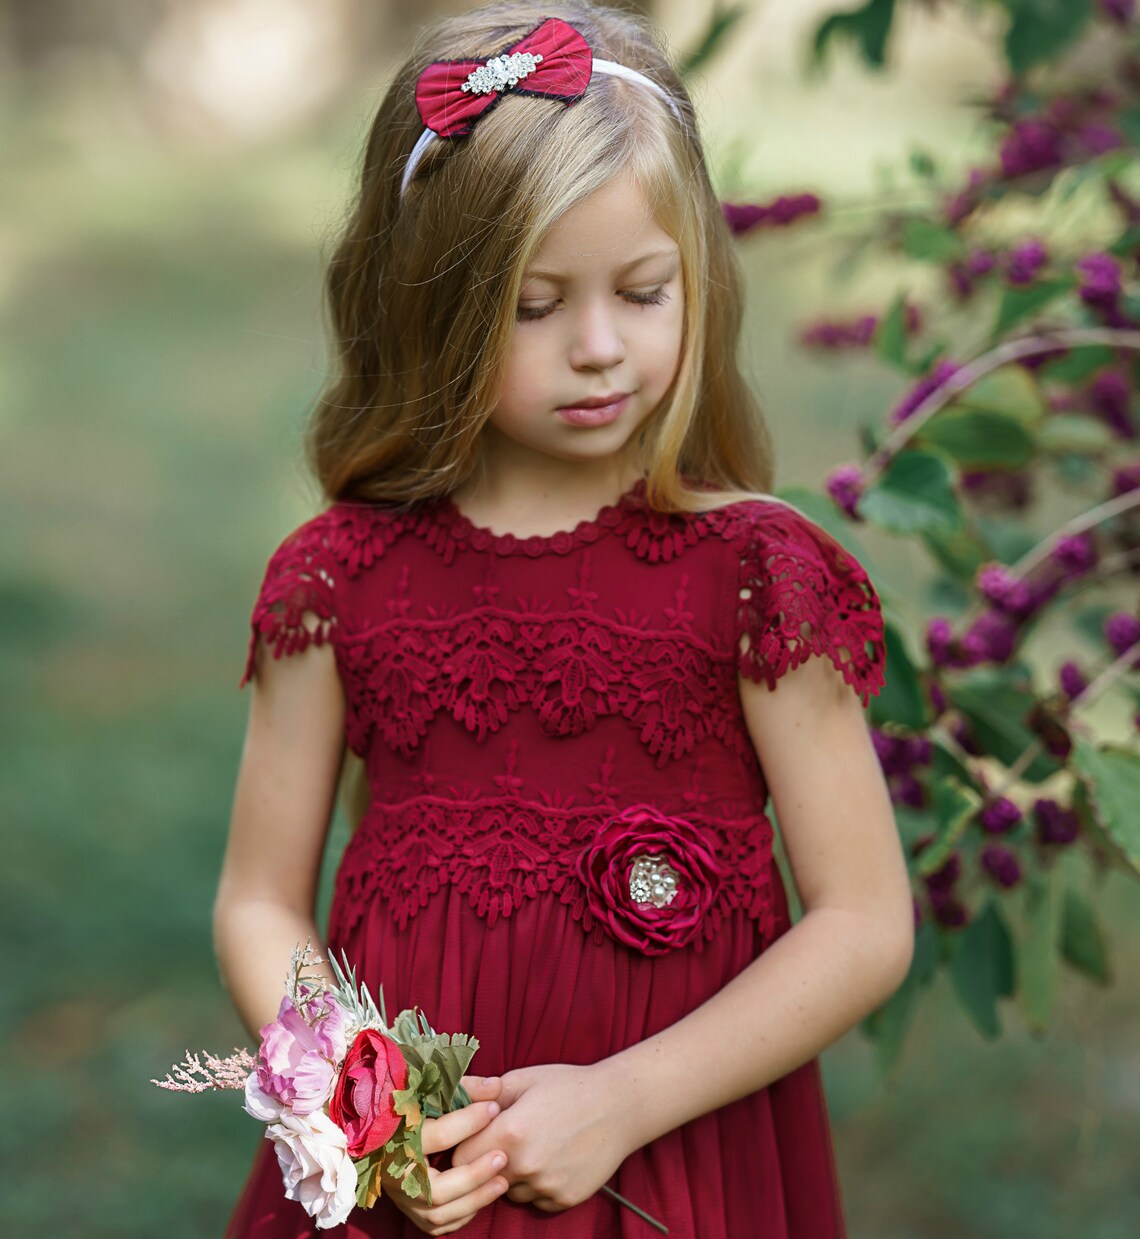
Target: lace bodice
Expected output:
[515,699]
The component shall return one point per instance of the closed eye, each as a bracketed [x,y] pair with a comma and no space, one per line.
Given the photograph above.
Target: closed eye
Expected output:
[653,296]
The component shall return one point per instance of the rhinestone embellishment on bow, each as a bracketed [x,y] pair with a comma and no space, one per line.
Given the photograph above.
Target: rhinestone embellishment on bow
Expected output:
[500,72]
[652,881]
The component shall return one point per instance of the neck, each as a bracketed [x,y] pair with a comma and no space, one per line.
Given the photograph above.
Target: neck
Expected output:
[544,497]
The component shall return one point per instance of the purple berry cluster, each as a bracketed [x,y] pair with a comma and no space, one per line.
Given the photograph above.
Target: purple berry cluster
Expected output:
[787,209]
[899,757]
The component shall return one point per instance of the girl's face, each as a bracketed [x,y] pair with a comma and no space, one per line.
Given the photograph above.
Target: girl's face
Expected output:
[598,337]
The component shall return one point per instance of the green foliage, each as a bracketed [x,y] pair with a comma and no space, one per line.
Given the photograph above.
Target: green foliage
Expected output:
[1082,942]
[1041,29]
[1037,949]
[1018,304]
[982,968]
[997,702]
[902,700]
[1000,770]
[724,18]
[868,28]
[977,440]
[914,494]
[1111,778]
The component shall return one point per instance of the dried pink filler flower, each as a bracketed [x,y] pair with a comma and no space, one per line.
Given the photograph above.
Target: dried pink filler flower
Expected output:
[193,1076]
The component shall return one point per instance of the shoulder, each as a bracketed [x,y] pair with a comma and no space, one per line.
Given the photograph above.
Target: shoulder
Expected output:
[346,537]
[801,593]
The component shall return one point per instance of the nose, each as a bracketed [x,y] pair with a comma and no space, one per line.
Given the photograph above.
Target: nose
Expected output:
[597,342]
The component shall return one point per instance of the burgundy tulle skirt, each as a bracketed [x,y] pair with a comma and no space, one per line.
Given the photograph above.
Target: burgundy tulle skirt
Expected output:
[535,988]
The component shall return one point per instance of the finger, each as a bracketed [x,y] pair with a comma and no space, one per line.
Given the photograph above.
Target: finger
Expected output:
[448,1130]
[522,1192]
[461,1184]
[482,1088]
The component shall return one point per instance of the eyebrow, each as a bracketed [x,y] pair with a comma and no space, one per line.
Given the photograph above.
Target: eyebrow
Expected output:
[625,269]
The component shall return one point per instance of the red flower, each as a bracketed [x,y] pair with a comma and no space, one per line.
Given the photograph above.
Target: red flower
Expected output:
[361,1104]
[672,848]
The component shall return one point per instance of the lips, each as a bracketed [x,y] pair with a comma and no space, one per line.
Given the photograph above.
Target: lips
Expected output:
[595,410]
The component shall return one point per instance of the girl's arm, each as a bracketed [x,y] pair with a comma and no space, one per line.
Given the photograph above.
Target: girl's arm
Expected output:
[842,959]
[286,791]
[283,804]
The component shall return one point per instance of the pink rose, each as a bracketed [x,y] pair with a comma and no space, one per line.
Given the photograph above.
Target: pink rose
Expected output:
[362,1103]
[297,1061]
[659,904]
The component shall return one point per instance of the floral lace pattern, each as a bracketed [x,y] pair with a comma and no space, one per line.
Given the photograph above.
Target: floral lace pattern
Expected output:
[501,851]
[801,594]
[300,580]
[638,616]
[569,669]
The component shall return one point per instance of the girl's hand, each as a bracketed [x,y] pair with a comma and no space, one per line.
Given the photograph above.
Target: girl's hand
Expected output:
[459,1193]
[563,1130]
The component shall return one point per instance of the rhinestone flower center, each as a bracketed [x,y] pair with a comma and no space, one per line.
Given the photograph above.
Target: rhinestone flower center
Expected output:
[500,72]
[652,881]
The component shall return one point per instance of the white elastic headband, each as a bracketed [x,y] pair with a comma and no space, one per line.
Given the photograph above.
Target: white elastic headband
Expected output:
[610,67]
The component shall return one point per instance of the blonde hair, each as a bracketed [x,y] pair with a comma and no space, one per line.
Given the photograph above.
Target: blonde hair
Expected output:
[422,292]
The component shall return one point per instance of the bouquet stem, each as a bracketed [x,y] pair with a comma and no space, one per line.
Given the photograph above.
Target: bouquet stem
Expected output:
[609,1191]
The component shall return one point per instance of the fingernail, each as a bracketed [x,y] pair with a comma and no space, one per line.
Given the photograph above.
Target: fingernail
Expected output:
[492,1108]
[498,1161]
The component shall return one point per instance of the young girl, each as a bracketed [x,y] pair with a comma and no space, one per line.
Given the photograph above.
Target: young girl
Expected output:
[575,645]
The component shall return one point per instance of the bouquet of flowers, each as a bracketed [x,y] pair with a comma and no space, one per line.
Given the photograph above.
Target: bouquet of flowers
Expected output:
[340,1088]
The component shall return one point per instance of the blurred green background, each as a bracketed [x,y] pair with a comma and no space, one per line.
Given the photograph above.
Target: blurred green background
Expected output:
[176,173]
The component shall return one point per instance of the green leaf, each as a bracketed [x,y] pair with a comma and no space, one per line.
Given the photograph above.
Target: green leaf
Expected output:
[720,24]
[954,807]
[1009,390]
[1128,119]
[922,164]
[996,707]
[1037,957]
[1078,364]
[1077,471]
[930,242]
[1007,537]
[914,494]
[1019,303]
[1070,432]
[959,551]
[1042,30]
[1111,779]
[890,340]
[1082,942]
[887,1025]
[943,762]
[1129,240]
[902,699]
[981,968]
[977,439]
[867,27]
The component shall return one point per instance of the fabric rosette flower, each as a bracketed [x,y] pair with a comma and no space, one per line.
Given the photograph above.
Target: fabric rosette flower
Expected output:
[362,1104]
[649,879]
[299,1054]
[316,1166]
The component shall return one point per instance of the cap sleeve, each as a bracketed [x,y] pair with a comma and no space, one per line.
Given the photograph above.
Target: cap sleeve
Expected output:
[297,604]
[801,593]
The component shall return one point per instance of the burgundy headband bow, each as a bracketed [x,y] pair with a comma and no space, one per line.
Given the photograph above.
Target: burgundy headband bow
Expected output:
[553,62]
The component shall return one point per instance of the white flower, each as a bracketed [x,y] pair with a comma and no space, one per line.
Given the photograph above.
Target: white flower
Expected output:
[316,1167]
[259,1103]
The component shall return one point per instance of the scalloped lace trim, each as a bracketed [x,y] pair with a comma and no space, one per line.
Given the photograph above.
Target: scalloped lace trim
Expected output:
[501,851]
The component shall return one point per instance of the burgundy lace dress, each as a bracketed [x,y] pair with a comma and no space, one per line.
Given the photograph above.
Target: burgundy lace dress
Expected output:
[566,848]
